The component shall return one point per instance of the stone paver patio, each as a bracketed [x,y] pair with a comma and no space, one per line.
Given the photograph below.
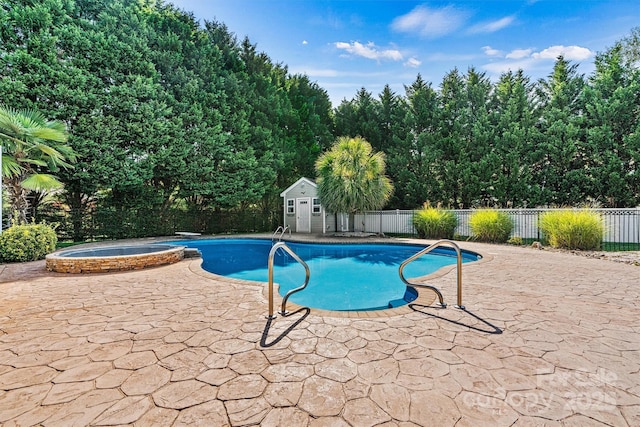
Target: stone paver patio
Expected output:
[549,339]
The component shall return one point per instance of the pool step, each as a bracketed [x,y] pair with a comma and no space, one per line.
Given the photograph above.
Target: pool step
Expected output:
[192,253]
[409,295]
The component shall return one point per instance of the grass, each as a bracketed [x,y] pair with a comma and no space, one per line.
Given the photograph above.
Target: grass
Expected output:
[620,246]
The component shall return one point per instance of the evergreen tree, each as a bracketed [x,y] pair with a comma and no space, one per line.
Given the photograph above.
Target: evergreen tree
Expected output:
[413,159]
[359,117]
[558,160]
[392,113]
[311,128]
[464,138]
[613,124]
[513,135]
[390,118]
[475,166]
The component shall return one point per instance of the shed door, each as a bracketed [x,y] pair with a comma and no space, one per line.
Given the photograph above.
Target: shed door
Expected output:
[303,218]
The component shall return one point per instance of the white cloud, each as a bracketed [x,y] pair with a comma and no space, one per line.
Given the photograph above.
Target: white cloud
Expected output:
[369,51]
[530,60]
[428,22]
[305,42]
[489,51]
[519,53]
[570,53]
[492,26]
[413,63]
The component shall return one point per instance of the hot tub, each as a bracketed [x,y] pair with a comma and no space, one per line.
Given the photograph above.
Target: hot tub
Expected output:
[113,258]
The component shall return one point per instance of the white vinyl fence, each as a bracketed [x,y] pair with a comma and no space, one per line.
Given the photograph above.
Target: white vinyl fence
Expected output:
[621,225]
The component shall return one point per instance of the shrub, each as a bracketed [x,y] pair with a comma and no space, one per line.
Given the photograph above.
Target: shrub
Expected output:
[516,240]
[573,229]
[21,243]
[435,223]
[489,225]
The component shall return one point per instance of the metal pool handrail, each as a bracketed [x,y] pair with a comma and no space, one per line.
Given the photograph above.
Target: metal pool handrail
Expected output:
[282,230]
[272,254]
[425,251]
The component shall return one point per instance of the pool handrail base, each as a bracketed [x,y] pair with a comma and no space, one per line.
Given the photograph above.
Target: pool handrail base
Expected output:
[439,243]
[272,252]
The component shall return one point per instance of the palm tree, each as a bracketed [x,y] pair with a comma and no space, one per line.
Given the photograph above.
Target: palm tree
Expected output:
[351,178]
[31,147]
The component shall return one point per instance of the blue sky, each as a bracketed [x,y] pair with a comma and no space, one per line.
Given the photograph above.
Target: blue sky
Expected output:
[346,45]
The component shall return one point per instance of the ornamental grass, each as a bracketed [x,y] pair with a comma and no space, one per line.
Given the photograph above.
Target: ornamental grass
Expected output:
[435,223]
[490,225]
[573,229]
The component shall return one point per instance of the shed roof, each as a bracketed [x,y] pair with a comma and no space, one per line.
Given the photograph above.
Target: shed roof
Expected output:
[295,184]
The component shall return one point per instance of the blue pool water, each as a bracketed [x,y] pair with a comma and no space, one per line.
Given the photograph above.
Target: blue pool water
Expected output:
[343,276]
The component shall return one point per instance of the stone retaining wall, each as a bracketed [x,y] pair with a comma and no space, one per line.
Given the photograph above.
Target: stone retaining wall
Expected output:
[113,263]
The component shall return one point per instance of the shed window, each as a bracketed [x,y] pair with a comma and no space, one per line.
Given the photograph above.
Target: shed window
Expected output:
[291,206]
[316,205]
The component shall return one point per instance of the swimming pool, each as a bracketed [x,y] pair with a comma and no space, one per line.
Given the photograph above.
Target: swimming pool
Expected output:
[343,276]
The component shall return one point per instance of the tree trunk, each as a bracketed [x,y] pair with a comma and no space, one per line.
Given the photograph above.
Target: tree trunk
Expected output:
[77,214]
[17,199]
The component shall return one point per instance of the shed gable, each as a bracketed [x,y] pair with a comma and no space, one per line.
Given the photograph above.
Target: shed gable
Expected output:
[302,186]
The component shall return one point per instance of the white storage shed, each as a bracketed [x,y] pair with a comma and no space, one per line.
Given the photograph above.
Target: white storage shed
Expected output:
[303,212]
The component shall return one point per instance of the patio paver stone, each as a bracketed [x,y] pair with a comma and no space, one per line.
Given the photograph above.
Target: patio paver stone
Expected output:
[548,338]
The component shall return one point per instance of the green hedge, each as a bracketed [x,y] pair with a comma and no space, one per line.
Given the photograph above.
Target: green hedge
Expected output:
[21,243]
[108,223]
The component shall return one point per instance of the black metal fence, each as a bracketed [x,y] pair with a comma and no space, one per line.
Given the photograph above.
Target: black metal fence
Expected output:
[110,223]
[622,226]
